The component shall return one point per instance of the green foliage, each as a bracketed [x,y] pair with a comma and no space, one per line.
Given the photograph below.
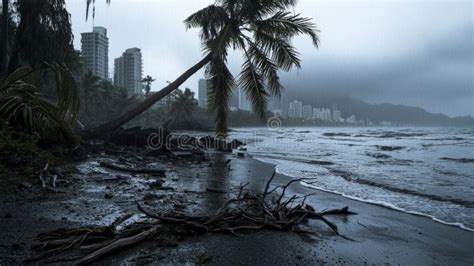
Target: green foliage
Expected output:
[25,109]
[183,104]
[43,34]
[101,100]
[263,30]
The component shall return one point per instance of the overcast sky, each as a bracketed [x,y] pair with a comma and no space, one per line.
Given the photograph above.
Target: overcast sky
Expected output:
[417,53]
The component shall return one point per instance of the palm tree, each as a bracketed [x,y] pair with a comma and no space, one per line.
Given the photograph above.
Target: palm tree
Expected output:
[148,80]
[262,29]
[183,104]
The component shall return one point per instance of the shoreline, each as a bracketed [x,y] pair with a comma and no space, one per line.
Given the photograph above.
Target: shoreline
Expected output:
[376,203]
[420,225]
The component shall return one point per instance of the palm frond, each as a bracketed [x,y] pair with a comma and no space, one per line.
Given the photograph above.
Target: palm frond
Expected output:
[220,85]
[284,25]
[210,19]
[267,67]
[88,3]
[282,53]
[18,74]
[22,106]
[258,9]
[67,91]
[251,81]
[25,109]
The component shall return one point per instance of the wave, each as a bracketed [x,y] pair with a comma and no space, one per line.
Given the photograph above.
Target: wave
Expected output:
[459,160]
[378,155]
[388,148]
[348,176]
[317,162]
[390,134]
[331,134]
[391,206]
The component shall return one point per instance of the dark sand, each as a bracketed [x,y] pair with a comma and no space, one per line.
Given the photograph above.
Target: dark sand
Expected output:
[381,235]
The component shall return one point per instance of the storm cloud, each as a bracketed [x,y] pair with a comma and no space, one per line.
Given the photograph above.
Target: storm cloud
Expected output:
[417,53]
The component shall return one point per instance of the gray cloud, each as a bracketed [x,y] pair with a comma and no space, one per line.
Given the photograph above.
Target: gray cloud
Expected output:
[404,52]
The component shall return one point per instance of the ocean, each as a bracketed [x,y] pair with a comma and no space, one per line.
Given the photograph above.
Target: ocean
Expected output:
[425,171]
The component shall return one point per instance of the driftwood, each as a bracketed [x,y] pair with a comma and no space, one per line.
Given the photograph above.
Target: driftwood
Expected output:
[246,212]
[133,170]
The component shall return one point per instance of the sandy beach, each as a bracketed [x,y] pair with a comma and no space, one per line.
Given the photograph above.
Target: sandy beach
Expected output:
[379,235]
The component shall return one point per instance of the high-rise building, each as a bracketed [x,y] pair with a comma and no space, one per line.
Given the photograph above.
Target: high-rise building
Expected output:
[295,109]
[202,93]
[95,51]
[128,71]
[307,111]
[324,114]
[316,113]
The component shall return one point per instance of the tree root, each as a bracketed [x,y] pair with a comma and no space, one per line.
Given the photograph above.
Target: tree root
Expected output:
[245,213]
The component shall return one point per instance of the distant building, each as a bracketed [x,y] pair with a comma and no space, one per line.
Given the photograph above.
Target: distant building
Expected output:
[295,109]
[325,114]
[95,52]
[244,103]
[291,111]
[351,119]
[128,71]
[336,115]
[316,113]
[202,93]
[307,111]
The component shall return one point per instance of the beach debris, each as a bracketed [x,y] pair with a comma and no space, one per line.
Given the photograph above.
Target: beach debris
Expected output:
[121,168]
[43,173]
[247,212]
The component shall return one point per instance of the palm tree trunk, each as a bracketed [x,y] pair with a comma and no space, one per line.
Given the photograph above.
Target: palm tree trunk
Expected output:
[102,130]
[4,41]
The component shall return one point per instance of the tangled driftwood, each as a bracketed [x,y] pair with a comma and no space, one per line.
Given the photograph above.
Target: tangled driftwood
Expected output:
[247,212]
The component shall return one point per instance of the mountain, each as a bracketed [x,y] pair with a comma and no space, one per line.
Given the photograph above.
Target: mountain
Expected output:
[401,114]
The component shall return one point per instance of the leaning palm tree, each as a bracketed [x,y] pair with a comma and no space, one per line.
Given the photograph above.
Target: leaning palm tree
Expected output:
[262,29]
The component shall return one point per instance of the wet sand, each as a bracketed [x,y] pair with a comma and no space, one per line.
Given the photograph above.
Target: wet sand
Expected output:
[380,235]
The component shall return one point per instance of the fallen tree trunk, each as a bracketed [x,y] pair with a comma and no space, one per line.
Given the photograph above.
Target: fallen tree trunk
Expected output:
[117,245]
[133,170]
